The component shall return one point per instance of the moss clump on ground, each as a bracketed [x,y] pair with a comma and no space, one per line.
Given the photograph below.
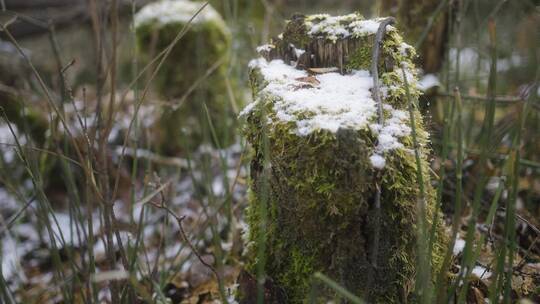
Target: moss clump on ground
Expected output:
[194,74]
[317,192]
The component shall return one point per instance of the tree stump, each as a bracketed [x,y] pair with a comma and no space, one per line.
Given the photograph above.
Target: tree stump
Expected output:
[320,154]
[194,75]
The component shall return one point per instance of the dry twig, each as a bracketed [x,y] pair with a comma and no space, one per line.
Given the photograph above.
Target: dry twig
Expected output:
[179,220]
[376,96]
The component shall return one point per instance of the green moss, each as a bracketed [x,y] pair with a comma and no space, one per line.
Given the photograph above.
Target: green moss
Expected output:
[320,196]
[296,32]
[297,268]
[361,59]
[185,77]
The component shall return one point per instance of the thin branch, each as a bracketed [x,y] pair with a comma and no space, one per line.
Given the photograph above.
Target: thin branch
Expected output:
[53,105]
[16,216]
[375,64]
[179,220]
[376,96]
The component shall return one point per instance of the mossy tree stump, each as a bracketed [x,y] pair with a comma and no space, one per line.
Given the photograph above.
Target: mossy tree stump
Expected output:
[320,153]
[194,75]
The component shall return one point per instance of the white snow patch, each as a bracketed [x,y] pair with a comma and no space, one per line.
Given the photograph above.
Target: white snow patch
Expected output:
[505,64]
[12,251]
[404,48]
[337,101]
[388,135]
[265,48]
[469,57]
[7,141]
[175,11]
[10,258]
[218,186]
[393,129]
[365,27]
[481,272]
[377,161]
[277,70]
[8,201]
[458,246]
[297,52]
[427,82]
[248,108]
[335,27]
[411,79]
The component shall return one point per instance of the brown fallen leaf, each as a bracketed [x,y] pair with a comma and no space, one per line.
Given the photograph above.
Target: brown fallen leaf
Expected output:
[306,83]
[475,296]
[309,79]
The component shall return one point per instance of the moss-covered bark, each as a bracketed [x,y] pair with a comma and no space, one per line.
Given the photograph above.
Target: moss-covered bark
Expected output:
[194,75]
[317,192]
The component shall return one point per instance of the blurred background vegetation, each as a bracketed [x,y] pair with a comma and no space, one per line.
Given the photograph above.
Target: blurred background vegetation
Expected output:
[85,162]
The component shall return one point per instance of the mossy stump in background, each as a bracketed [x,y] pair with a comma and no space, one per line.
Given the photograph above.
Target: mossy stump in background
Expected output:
[193,76]
[319,153]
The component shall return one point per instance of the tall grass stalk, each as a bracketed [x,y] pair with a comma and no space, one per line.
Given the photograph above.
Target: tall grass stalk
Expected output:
[338,288]
[423,286]
[448,115]
[486,148]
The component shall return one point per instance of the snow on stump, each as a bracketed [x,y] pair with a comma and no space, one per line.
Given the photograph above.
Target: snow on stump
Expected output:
[194,74]
[320,153]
